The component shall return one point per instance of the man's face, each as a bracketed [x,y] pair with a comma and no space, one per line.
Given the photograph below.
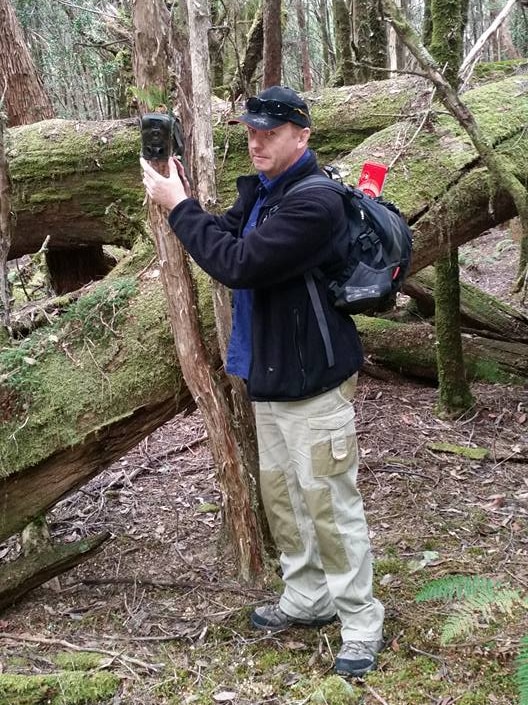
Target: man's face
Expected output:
[274,151]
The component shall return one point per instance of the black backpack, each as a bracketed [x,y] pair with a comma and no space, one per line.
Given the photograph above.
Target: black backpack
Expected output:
[379,254]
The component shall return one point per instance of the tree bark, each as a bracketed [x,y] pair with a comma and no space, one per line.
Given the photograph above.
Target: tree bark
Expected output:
[272,50]
[26,101]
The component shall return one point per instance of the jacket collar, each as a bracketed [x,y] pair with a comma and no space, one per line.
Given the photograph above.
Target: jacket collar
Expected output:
[248,185]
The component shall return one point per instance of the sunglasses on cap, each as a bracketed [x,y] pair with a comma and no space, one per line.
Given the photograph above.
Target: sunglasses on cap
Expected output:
[276,108]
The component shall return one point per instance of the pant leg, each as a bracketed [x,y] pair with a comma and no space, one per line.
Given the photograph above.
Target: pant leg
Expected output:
[290,523]
[321,448]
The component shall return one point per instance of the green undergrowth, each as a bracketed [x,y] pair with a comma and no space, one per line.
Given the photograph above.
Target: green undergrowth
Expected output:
[68,688]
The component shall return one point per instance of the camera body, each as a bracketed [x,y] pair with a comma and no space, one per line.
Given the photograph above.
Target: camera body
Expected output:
[161,137]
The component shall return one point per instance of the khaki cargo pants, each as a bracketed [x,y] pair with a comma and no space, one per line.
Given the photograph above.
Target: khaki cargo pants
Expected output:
[308,469]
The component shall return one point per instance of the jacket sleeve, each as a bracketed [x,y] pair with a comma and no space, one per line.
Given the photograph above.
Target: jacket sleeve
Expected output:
[290,242]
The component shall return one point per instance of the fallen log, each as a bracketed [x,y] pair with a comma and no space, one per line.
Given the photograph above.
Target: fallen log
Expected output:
[410,349]
[80,182]
[27,572]
[479,312]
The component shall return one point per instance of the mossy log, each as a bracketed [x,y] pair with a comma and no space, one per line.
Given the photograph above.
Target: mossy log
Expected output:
[479,312]
[80,182]
[26,572]
[78,395]
[410,349]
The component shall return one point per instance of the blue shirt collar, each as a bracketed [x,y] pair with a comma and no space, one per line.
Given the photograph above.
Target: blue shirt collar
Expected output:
[269,184]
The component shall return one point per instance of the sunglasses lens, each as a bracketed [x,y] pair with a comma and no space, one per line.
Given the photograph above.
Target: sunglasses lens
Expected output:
[271,107]
[253,105]
[275,107]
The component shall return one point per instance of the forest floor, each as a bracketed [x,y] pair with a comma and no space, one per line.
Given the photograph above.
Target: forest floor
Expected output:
[160,612]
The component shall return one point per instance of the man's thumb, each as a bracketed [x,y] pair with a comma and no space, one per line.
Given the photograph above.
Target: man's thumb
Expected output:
[173,169]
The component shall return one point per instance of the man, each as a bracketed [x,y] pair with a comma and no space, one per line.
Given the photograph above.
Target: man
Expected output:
[300,375]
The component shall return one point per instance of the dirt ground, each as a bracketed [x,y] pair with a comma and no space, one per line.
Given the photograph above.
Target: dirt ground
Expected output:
[161,602]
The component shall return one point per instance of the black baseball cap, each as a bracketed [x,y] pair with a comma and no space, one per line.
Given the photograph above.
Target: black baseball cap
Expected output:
[273,107]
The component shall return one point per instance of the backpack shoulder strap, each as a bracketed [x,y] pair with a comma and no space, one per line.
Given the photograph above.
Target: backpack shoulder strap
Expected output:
[317,181]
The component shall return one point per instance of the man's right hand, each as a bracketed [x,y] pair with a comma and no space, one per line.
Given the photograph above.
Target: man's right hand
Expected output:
[167,191]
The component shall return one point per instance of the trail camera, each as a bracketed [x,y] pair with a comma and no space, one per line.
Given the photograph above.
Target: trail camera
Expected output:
[161,137]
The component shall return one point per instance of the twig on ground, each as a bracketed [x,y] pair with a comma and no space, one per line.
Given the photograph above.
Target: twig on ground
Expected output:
[374,694]
[14,637]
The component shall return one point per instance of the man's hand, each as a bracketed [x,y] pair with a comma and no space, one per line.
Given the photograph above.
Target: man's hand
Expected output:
[167,191]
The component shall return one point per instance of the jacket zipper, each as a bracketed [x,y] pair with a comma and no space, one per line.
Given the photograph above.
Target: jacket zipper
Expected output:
[298,347]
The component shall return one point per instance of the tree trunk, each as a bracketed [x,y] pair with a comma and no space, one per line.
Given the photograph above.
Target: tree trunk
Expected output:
[5,236]
[454,396]
[272,32]
[25,99]
[345,71]
[240,85]
[303,41]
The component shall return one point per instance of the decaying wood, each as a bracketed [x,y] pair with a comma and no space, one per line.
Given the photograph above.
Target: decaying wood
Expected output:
[23,574]
[410,349]
[480,312]
[35,489]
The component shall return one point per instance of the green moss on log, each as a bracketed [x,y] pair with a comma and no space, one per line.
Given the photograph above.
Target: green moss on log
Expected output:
[441,155]
[94,368]
[68,688]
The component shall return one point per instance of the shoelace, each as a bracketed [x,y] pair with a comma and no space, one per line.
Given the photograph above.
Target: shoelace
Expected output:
[357,648]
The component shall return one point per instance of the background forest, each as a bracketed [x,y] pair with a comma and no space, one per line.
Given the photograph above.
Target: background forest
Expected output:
[124,579]
[82,51]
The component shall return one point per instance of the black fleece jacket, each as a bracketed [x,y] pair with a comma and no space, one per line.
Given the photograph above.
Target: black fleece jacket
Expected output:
[294,235]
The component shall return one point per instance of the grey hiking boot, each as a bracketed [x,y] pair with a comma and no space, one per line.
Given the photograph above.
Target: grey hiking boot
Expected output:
[355,658]
[273,619]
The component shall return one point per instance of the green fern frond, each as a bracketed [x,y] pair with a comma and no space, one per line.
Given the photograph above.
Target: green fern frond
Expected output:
[521,674]
[153,97]
[455,586]
[479,600]
[499,599]
[459,623]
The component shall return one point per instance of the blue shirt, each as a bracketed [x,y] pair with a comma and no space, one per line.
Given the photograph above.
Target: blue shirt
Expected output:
[239,351]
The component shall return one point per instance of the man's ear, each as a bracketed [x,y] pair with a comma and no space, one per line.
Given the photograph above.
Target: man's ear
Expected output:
[304,136]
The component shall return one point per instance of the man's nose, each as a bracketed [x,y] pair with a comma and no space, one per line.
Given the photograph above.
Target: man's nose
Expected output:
[255,138]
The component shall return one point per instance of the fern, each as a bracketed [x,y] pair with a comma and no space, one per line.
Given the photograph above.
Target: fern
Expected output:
[455,586]
[521,674]
[478,599]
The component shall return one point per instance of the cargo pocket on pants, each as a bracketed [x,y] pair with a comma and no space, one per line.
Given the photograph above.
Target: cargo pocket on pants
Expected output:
[279,511]
[333,443]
